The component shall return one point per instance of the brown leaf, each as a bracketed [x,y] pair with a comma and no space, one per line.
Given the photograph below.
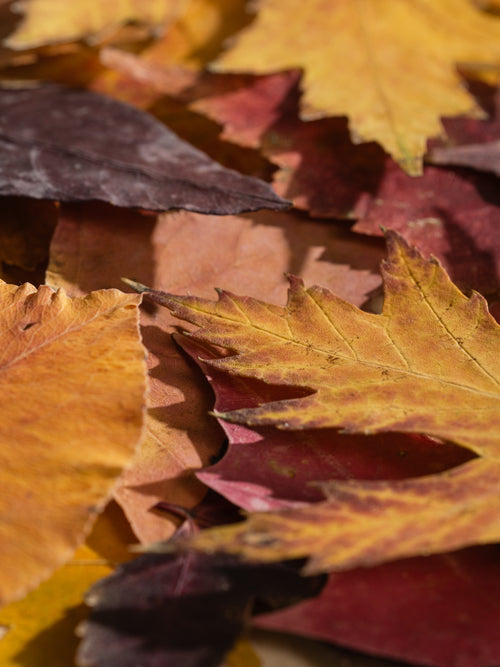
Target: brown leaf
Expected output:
[485,157]
[73,371]
[73,145]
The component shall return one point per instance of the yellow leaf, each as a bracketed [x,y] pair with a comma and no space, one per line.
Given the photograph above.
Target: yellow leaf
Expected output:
[429,363]
[50,21]
[366,523]
[389,66]
[72,374]
[41,627]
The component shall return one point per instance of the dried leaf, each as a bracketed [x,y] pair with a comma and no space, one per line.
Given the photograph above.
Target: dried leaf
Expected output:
[68,144]
[424,40]
[74,372]
[185,609]
[428,363]
[485,157]
[47,21]
[290,463]
[431,346]
[437,610]
[41,627]
[94,245]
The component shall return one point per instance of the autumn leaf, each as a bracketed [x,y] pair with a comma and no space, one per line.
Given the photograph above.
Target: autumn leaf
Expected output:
[41,627]
[70,145]
[182,609]
[400,76]
[74,374]
[181,436]
[47,21]
[439,610]
[291,463]
[366,373]
[428,363]
[484,156]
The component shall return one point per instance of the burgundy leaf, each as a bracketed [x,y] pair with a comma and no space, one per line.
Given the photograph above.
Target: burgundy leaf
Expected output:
[441,610]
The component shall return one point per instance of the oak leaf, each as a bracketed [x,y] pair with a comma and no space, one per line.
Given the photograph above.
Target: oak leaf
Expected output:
[74,374]
[429,363]
[390,66]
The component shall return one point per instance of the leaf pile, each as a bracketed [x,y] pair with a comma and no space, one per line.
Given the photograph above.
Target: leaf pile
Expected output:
[316,452]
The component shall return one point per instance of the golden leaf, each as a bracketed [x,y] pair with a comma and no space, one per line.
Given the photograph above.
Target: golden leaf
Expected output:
[389,66]
[72,374]
[429,363]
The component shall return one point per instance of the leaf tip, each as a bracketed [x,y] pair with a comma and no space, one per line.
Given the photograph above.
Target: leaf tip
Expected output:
[138,287]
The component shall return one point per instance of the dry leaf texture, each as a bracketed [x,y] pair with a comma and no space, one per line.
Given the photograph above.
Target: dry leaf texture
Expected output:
[73,145]
[390,66]
[72,373]
[429,363]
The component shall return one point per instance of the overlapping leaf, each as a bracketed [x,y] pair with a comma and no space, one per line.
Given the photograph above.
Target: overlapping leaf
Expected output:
[181,436]
[429,363]
[72,375]
[73,145]
[183,609]
[436,610]
[41,626]
[400,75]
[47,21]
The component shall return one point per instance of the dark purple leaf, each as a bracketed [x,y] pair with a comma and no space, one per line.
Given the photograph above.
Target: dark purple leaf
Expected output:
[484,157]
[70,145]
[182,610]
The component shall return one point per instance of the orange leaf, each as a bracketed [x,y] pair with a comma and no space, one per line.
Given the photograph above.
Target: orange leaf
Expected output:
[41,626]
[429,363]
[72,374]
[390,66]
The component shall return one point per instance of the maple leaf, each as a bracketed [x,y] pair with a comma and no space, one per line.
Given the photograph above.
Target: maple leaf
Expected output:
[68,144]
[429,363]
[292,462]
[74,372]
[399,76]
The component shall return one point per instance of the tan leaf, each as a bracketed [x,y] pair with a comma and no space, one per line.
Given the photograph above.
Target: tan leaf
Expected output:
[72,374]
